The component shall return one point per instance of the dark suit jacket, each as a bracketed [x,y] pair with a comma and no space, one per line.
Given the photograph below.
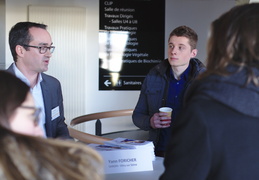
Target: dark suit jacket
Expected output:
[53,100]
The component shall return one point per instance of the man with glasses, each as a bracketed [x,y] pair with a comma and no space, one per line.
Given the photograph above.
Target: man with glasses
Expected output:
[31,47]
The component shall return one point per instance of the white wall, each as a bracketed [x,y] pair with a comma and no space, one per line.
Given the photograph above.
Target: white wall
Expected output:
[198,14]
[195,13]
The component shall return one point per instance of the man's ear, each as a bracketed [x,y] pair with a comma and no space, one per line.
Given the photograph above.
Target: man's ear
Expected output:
[20,50]
[194,53]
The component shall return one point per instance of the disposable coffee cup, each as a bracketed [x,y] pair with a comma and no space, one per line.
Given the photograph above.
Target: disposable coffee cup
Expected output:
[167,110]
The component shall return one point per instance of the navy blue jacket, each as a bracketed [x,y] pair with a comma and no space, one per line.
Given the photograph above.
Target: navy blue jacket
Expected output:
[153,94]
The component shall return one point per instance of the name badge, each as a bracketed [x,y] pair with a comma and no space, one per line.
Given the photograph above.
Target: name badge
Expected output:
[55,113]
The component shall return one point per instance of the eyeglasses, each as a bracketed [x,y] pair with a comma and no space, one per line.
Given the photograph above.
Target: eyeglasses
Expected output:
[36,113]
[42,49]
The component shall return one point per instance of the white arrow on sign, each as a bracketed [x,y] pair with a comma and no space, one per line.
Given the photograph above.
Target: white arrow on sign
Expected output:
[107,83]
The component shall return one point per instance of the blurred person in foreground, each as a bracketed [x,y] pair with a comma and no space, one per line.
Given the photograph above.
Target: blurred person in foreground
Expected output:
[165,85]
[216,136]
[32,47]
[25,156]
[17,108]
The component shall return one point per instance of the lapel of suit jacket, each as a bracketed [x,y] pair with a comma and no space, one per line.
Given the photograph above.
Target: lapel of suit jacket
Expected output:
[47,105]
[10,69]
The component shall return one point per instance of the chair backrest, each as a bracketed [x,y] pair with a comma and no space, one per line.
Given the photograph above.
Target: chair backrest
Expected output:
[101,115]
[89,138]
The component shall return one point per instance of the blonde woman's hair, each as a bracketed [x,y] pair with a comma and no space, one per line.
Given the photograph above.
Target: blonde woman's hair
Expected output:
[28,158]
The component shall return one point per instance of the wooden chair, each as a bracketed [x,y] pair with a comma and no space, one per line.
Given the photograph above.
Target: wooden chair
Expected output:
[89,138]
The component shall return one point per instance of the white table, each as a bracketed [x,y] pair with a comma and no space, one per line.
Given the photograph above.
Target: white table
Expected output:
[158,169]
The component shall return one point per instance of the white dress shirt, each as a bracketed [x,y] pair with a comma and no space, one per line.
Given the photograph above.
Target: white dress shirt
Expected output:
[37,95]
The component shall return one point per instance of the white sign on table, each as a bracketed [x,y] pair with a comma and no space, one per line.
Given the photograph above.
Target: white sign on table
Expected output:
[121,158]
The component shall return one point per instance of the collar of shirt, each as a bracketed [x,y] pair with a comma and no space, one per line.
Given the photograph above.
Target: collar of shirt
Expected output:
[183,76]
[20,75]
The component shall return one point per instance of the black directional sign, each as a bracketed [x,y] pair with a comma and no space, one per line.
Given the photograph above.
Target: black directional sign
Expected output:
[131,42]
